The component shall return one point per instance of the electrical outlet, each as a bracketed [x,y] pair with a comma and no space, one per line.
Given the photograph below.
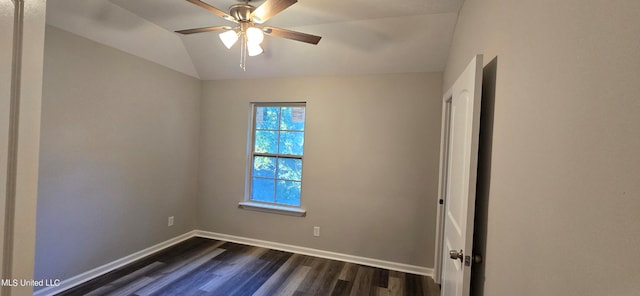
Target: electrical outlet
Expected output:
[170,222]
[316,231]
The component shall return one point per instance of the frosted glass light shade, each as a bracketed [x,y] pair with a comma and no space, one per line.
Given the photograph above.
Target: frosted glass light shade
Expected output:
[229,38]
[254,49]
[255,35]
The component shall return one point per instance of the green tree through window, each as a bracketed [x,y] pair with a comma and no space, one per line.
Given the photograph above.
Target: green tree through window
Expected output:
[277,152]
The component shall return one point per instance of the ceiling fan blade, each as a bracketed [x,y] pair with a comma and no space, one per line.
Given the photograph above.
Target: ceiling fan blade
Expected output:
[205,29]
[270,8]
[210,8]
[298,36]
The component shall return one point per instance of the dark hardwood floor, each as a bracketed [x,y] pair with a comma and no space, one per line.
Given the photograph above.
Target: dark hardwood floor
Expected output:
[201,266]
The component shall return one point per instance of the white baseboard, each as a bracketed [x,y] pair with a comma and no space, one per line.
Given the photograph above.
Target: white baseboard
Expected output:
[84,277]
[319,253]
[98,271]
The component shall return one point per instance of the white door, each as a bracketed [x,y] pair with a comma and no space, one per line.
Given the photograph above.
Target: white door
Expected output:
[460,131]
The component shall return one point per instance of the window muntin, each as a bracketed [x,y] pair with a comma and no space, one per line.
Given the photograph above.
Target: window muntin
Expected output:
[277,153]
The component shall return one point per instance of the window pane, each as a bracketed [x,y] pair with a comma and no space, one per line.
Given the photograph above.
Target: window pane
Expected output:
[291,143]
[290,169]
[262,189]
[264,166]
[266,142]
[288,192]
[278,132]
[267,118]
[292,118]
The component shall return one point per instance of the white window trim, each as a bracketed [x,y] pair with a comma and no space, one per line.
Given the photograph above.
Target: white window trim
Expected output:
[272,208]
[248,203]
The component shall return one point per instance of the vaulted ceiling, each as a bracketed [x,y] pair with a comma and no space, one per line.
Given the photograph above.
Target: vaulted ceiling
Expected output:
[358,36]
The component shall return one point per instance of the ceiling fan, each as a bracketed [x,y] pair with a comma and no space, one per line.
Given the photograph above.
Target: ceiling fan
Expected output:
[249,29]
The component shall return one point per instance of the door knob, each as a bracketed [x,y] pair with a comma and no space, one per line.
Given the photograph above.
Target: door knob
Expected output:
[453,254]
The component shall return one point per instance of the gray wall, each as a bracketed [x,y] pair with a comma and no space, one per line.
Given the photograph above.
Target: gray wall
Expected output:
[563,199]
[370,166]
[125,143]
[119,154]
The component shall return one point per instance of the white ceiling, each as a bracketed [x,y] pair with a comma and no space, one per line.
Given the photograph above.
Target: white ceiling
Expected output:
[358,36]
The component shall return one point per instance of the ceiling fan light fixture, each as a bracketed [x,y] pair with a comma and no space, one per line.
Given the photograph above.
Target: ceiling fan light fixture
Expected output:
[247,17]
[254,49]
[229,38]
[254,35]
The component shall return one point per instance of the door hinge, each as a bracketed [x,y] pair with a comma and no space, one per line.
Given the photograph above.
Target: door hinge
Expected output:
[441,201]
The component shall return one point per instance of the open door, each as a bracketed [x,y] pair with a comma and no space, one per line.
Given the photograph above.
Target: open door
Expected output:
[458,172]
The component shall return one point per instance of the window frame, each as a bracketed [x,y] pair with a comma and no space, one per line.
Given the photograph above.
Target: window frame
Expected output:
[263,206]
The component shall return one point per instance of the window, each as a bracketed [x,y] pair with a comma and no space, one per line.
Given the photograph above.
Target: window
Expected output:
[276,156]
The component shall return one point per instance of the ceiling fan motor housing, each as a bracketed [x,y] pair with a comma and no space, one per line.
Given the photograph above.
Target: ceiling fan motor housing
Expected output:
[242,12]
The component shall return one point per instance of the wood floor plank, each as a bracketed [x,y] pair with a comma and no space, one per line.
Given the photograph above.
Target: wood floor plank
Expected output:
[380,278]
[396,284]
[250,274]
[125,280]
[197,278]
[201,266]
[322,278]
[379,291]
[348,272]
[342,288]
[228,271]
[413,285]
[178,273]
[328,279]
[270,263]
[191,284]
[277,279]
[362,283]
[187,258]
[174,253]
[188,284]
[432,288]
[132,287]
[293,282]
[316,264]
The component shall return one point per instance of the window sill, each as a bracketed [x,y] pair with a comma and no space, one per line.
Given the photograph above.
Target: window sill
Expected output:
[273,209]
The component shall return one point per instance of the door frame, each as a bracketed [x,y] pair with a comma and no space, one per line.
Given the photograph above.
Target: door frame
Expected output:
[9,198]
[26,81]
